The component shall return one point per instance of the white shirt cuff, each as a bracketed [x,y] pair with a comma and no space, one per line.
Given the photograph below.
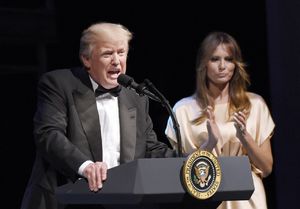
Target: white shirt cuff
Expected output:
[83,166]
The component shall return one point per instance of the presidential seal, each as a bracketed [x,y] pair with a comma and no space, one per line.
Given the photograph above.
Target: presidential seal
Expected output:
[201,174]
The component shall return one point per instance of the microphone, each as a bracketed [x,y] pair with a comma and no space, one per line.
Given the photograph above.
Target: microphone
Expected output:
[140,89]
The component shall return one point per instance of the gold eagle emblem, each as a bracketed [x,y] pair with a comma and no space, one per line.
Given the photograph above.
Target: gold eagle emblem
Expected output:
[202,173]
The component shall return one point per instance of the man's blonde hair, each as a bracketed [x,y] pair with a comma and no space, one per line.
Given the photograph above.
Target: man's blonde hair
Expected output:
[92,34]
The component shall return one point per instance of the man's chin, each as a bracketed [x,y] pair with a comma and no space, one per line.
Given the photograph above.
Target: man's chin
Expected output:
[112,85]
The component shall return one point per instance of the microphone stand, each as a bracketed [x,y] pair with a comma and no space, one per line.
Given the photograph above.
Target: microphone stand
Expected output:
[141,90]
[166,104]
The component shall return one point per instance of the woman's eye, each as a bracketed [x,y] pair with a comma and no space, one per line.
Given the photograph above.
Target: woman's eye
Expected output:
[229,59]
[214,59]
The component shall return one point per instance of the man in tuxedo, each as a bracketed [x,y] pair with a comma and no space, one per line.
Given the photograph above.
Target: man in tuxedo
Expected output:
[85,123]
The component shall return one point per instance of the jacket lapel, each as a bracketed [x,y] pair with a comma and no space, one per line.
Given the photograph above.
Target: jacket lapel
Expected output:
[128,127]
[85,103]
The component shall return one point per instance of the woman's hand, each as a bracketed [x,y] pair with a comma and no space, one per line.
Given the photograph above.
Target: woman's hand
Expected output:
[260,156]
[213,130]
[240,124]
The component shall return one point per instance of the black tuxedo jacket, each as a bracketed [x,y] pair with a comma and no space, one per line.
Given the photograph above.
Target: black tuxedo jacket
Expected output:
[67,133]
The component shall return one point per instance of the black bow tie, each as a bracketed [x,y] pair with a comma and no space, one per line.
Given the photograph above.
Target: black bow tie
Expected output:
[101,90]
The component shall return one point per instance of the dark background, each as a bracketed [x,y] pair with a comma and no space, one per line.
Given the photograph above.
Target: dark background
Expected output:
[41,35]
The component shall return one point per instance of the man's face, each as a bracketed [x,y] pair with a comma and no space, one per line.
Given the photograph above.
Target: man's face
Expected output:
[107,60]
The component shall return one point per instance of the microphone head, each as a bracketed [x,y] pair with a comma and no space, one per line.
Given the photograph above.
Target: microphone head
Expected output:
[124,80]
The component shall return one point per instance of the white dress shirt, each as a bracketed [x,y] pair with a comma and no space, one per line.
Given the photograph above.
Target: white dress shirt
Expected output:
[108,111]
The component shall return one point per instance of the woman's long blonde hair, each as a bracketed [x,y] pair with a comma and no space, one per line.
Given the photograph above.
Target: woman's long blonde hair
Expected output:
[238,99]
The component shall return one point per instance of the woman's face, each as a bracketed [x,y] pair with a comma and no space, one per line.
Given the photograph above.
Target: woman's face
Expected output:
[220,67]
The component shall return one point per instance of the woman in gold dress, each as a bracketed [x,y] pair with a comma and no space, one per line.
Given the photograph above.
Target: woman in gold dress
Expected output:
[223,117]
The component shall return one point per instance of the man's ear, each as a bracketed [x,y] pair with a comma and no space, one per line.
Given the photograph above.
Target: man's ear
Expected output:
[86,61]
